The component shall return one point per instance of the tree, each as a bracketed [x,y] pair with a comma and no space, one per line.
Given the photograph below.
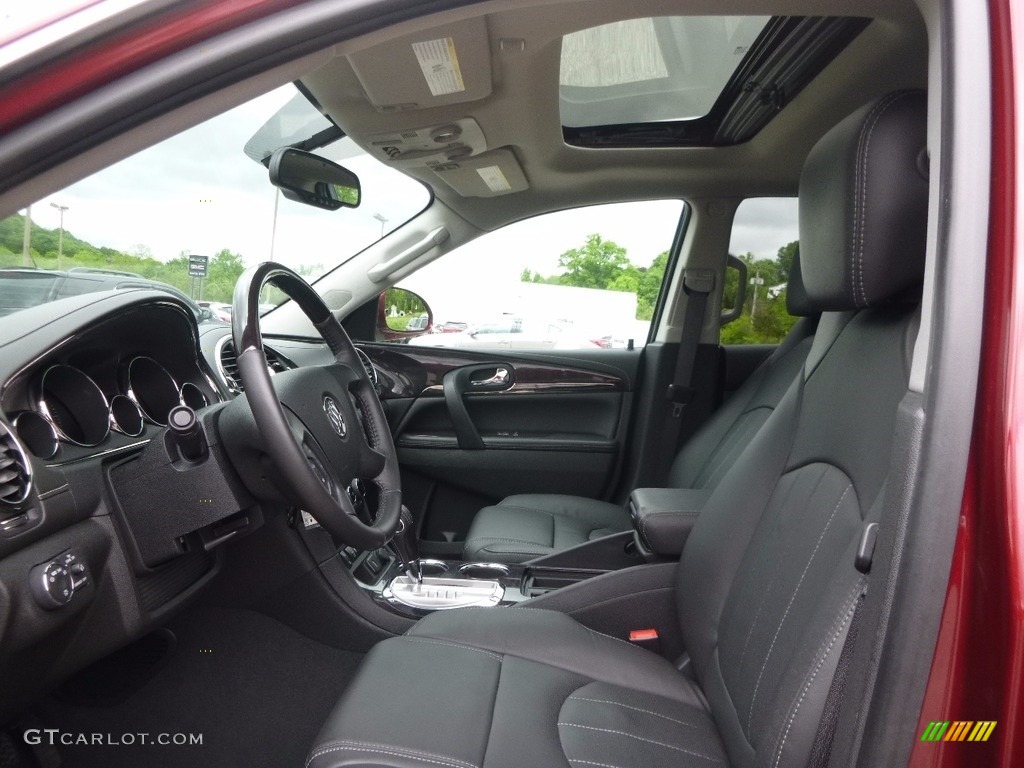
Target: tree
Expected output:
[596,265]
[650,286]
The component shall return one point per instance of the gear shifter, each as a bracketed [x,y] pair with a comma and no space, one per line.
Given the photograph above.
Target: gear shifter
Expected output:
[406,546]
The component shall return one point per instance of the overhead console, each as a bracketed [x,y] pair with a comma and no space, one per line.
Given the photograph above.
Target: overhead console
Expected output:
[428,75]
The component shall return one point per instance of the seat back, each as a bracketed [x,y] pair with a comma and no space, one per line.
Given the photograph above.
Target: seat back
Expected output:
[714,448]
[767,581]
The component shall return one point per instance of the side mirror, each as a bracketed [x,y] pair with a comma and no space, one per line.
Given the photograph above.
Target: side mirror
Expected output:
[310,179]
[402,315]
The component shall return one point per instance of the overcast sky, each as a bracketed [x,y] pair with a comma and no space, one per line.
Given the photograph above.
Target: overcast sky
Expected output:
[198,193]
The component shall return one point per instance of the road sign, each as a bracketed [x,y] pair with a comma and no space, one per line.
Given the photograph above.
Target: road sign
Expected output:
[197,265]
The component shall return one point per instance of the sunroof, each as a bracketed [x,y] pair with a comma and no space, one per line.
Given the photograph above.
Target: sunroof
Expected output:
[690,80]
[651,69]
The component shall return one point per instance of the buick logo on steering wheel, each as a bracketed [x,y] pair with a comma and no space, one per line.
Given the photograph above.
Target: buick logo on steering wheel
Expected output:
[334,416]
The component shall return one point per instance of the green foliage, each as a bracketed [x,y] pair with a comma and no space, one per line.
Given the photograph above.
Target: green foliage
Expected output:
[223,271]
[768,322]
[604,264]
[598,264]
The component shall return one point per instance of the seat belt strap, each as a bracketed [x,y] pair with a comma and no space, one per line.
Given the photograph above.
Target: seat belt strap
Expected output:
[821,750]
[698,285]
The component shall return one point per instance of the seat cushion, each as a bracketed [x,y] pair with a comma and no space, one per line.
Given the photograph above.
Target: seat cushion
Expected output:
[526,526]
[503,687]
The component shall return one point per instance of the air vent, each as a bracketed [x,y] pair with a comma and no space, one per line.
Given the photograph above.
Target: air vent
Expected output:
[368,366]
[227,362]
[15,471]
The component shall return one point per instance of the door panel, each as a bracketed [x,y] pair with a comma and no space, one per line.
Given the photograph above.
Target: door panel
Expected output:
[472,427]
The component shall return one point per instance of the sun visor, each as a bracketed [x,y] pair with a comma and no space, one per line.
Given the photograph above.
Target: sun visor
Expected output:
[449,65]
[487,175]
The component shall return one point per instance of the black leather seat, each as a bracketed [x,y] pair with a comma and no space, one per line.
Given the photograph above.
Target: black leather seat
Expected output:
[766,586]
[526,526]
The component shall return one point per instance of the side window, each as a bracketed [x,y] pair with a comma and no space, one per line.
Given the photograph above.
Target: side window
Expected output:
[586,278]
[764,238]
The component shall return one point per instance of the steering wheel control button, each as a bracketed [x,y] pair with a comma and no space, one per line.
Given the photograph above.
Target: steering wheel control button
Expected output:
[53,584]
[333,411]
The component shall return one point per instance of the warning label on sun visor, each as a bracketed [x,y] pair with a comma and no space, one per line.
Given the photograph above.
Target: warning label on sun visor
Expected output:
[494,178]
[440,66]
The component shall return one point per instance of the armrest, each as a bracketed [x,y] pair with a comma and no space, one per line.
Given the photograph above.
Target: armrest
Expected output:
[662,517]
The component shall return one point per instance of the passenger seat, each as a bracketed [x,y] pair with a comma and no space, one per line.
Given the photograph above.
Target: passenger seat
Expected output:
[527,526]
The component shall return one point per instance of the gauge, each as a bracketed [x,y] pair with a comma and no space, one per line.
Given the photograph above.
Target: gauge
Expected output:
[125,416]
[152,388]
[37,434]
[192,396]
[75,405]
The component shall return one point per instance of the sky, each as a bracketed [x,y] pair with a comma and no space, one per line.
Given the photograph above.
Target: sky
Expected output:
[198,193]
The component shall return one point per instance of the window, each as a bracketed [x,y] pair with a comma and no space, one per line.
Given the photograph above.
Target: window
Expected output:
[203,192]
[586,278]
[652,69]
[764,237]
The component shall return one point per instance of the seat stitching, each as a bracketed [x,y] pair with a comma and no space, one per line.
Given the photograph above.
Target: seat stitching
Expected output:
[385,749]
[639,738]
[785,615]
[591,762]
[846,615]
[452,645]
[511,551]
[493,540]
[857,278]
[764,594]
[637,709]
[503,505]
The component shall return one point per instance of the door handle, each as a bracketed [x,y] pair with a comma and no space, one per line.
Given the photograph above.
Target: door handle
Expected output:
[497,376]
[500,380]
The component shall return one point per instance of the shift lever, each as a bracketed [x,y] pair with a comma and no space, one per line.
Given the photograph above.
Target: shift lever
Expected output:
[406,546]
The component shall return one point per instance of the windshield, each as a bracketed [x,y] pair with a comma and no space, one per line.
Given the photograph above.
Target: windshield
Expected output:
[191,213]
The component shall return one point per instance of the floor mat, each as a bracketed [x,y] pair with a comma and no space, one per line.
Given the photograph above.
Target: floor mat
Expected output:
[251,690]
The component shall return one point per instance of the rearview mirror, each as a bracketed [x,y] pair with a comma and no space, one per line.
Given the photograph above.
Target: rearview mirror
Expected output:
[310,179]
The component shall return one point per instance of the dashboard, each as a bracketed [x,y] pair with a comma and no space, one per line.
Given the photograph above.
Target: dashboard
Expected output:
[87,386]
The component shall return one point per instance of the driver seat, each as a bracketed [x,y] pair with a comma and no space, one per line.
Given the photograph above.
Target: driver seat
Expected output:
[767,586]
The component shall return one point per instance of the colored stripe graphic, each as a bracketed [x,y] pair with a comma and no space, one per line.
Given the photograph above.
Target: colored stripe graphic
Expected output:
[959,730]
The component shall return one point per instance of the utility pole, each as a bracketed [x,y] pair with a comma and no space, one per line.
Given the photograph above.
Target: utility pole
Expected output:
[381,218]
[60,237]
[756,281]
[273,229]
[26,239]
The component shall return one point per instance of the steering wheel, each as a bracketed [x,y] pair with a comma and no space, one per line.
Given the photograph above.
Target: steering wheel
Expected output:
[323,426]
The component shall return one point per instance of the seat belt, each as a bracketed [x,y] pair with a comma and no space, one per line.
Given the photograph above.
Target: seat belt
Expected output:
[821,749]
[697,284]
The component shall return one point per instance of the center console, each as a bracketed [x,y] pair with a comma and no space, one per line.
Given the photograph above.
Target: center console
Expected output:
[448,584]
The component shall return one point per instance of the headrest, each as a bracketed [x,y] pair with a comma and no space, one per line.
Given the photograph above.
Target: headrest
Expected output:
[864,205]
[797,302]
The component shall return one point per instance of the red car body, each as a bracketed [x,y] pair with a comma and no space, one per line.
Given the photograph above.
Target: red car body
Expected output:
[978,668]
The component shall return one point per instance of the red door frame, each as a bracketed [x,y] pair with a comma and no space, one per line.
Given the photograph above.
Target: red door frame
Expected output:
[978,669]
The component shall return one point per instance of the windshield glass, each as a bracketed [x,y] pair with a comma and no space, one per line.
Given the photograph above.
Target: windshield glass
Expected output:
[197,200]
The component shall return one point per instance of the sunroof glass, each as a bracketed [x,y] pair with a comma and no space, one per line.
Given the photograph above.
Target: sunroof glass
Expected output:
[651,69]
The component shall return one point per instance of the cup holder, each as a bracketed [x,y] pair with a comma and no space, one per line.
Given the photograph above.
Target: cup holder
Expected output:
[433,567]
[483,570]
